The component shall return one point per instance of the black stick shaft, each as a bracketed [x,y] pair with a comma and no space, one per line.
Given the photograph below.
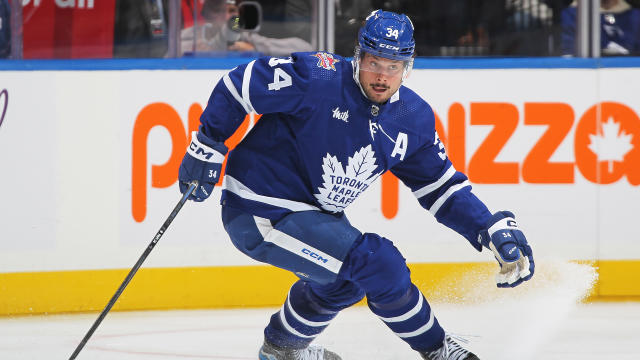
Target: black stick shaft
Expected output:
[135,268]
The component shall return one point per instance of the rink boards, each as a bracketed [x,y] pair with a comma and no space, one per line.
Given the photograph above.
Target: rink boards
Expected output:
[89,164]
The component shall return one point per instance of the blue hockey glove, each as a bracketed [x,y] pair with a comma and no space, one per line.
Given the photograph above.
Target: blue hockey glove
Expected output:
[202,162]
[510,248]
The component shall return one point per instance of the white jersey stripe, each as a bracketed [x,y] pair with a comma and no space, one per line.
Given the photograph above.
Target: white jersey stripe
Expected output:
[232,89]
[434,186]
[308,252]
[300,318]
[290,329]
[264,225]
[416,309]
[303,250]
[420,330]
[436,205]
[244,192]
[246,82]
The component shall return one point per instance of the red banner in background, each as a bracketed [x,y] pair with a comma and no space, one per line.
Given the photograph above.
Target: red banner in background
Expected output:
[68,29]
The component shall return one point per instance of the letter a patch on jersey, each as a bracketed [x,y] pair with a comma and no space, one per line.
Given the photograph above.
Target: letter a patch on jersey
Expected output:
[402,142]
[341,186]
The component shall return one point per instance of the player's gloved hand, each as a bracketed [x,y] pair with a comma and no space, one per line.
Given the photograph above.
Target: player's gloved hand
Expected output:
[202,162]
[510,247]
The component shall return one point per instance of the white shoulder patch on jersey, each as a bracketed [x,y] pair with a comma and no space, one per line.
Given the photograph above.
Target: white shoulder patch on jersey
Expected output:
[341,186]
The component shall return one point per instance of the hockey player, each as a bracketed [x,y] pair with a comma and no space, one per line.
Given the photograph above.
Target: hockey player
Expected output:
[329,128]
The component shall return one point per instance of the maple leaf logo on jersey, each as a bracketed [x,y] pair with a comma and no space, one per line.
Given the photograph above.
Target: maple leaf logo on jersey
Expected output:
[326,61]
[342,186]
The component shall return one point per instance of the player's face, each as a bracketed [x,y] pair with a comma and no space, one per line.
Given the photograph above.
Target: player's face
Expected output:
[380,77]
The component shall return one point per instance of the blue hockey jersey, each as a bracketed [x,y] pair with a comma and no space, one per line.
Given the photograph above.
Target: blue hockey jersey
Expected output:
[321,142]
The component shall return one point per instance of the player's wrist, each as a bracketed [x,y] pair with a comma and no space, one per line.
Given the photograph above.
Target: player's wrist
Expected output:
[205,149]
[484,239]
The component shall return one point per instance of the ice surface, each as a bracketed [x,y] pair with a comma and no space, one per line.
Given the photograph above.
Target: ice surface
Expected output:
[542,320]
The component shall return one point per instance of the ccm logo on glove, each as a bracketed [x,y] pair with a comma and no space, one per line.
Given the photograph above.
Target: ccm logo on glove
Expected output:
[202,162]
[204,153]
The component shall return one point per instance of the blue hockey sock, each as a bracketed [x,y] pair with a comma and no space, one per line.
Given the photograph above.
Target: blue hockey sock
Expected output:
[412,319]
[299,320]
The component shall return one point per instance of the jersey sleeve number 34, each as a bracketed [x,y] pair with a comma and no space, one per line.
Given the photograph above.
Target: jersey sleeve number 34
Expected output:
[280,78]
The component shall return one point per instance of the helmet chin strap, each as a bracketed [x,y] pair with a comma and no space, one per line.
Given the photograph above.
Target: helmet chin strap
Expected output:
[355,62]
[356,75]
[407,69]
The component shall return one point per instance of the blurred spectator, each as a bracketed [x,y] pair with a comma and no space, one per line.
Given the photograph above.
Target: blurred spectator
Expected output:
[464,27]
[140,29]
[527,13]
[619,28]
[450,28]
[528,28]
[350,16]
[5,29]
[217,30]
[202,20]
[287,18]
[470,28]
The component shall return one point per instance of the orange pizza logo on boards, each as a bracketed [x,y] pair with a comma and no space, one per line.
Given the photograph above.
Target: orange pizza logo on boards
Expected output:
[606,146]
[165,175]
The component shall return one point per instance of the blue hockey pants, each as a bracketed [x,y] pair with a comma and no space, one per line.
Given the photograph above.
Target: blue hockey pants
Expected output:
[337,266]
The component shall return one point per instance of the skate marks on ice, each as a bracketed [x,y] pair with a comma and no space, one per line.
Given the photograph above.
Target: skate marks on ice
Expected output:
[137,335]
[515,323]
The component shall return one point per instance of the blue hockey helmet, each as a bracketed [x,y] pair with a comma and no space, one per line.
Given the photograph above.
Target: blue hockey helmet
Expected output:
[388,35]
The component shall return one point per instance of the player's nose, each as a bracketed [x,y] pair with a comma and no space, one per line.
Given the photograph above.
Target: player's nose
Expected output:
[381,77]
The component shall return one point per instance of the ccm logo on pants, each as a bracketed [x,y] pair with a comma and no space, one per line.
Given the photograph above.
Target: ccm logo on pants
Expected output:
[314,255]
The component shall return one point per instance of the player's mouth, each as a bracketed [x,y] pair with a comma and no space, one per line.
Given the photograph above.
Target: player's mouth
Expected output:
[378,88]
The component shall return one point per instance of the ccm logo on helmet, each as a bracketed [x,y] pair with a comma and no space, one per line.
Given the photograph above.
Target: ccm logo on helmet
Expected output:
[389,47]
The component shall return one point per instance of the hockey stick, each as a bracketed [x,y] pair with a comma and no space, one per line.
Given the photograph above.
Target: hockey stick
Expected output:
[192,186]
